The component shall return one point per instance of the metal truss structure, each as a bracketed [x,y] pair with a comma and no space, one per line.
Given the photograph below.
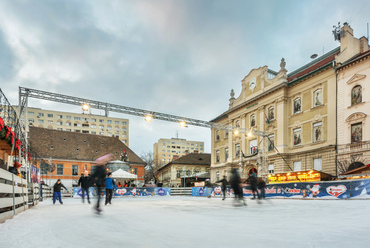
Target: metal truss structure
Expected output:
[25,93]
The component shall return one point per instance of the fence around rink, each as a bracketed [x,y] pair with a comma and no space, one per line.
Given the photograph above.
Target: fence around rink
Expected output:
[354,189]
[13,195]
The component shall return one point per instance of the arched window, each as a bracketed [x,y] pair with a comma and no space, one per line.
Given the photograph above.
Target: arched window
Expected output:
[271,113]
[253,120]
[297,108]
[317,98]
[356,95]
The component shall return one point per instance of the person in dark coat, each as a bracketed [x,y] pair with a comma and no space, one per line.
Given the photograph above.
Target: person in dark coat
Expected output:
[57,187]
[109,185]
[85,183]
[224,184]
[261,187]
[235,183]
[253,182]
[99,176]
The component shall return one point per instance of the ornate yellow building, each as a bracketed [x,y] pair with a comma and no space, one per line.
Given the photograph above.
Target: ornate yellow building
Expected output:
[298,111]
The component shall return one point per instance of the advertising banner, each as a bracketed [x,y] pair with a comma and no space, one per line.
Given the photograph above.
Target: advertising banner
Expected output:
[77,192]
[323,190]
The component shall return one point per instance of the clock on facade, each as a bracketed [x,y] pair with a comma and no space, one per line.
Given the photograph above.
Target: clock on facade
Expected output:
[252,83]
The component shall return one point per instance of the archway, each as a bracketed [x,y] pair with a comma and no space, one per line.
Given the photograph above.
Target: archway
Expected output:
[355,165]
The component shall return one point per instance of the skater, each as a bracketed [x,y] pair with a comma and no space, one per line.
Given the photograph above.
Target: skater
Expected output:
[261,186]
[109,185]
[57,187]
[235,182]
[224,184]
[85,182]
[253,182]
[99,176]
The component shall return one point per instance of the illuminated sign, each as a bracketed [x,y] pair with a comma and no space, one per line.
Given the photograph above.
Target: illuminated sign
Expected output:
[295,177]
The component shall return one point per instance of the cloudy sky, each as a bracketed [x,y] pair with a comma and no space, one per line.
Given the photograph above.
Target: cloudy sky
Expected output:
[176,57]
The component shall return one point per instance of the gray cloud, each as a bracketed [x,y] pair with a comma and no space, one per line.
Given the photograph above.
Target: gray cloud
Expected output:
[176,57]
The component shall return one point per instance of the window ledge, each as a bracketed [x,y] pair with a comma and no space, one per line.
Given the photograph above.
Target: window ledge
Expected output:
[358,104]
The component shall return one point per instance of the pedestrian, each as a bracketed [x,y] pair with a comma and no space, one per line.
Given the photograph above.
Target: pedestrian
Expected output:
[109,185]
[99,176]
[85,183]
[235,183]
[224,184]
[261,187]
[57,187]
[119,185]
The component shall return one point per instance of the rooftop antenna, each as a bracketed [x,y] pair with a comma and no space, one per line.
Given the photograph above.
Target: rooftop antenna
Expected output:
[177,134]
[336,32]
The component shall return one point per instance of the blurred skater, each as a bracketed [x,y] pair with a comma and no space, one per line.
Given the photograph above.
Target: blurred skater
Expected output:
[99,176]
[57,187]
[235,183]
[109,185]
[224,184]
[253,182]
[85,182]
[261,187]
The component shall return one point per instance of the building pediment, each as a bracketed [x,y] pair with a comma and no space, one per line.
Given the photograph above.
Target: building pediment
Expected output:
[355,78]
[356,117]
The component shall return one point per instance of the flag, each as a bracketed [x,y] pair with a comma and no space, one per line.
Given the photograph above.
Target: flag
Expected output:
[267,119]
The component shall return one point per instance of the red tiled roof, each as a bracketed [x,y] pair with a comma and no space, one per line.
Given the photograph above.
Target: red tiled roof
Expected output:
[313,67]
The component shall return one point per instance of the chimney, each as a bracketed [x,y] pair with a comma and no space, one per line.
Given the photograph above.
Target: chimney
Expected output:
[175,157]
[186,152]
[196,151]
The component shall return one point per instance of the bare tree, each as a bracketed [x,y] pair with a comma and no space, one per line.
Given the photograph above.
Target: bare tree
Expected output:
[150,166]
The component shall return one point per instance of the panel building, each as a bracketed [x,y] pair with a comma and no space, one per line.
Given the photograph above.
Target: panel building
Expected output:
[165,149]
[80,123]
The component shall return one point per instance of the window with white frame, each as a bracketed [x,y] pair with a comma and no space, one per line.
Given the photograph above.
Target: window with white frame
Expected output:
[217,156]
[297,105]
[237,150]
[252,146]
[218,135]
[317,98]
[317,130]
[271,169]
[297,137]
[271,143]
[297,166]
[317,164]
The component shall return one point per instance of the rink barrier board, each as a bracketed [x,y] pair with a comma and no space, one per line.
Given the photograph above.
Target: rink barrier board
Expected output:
[14,193]
[322,190]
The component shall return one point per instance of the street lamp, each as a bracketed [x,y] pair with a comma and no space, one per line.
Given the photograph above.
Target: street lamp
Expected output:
[148,118]
[85,107]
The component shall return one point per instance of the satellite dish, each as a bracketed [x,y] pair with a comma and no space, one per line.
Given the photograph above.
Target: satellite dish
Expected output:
[313,56]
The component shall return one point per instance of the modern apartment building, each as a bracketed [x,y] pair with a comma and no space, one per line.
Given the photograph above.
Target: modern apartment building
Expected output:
[165,149]
[80,123]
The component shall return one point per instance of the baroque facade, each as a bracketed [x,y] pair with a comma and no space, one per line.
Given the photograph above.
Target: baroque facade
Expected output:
[297,110]
[353,71]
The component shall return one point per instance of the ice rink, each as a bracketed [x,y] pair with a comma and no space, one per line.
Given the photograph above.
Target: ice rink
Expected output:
[191,222]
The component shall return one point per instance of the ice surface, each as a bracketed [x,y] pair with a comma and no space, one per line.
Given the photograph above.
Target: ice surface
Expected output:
[191,222]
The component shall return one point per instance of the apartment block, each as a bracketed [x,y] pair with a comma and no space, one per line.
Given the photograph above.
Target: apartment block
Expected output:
[165,149]
[80,123]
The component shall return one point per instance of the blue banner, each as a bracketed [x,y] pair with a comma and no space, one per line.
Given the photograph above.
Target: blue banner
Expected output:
[324,190]
[77,192]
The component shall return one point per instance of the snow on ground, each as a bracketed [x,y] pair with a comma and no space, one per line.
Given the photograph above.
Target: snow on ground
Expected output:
[191,222]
